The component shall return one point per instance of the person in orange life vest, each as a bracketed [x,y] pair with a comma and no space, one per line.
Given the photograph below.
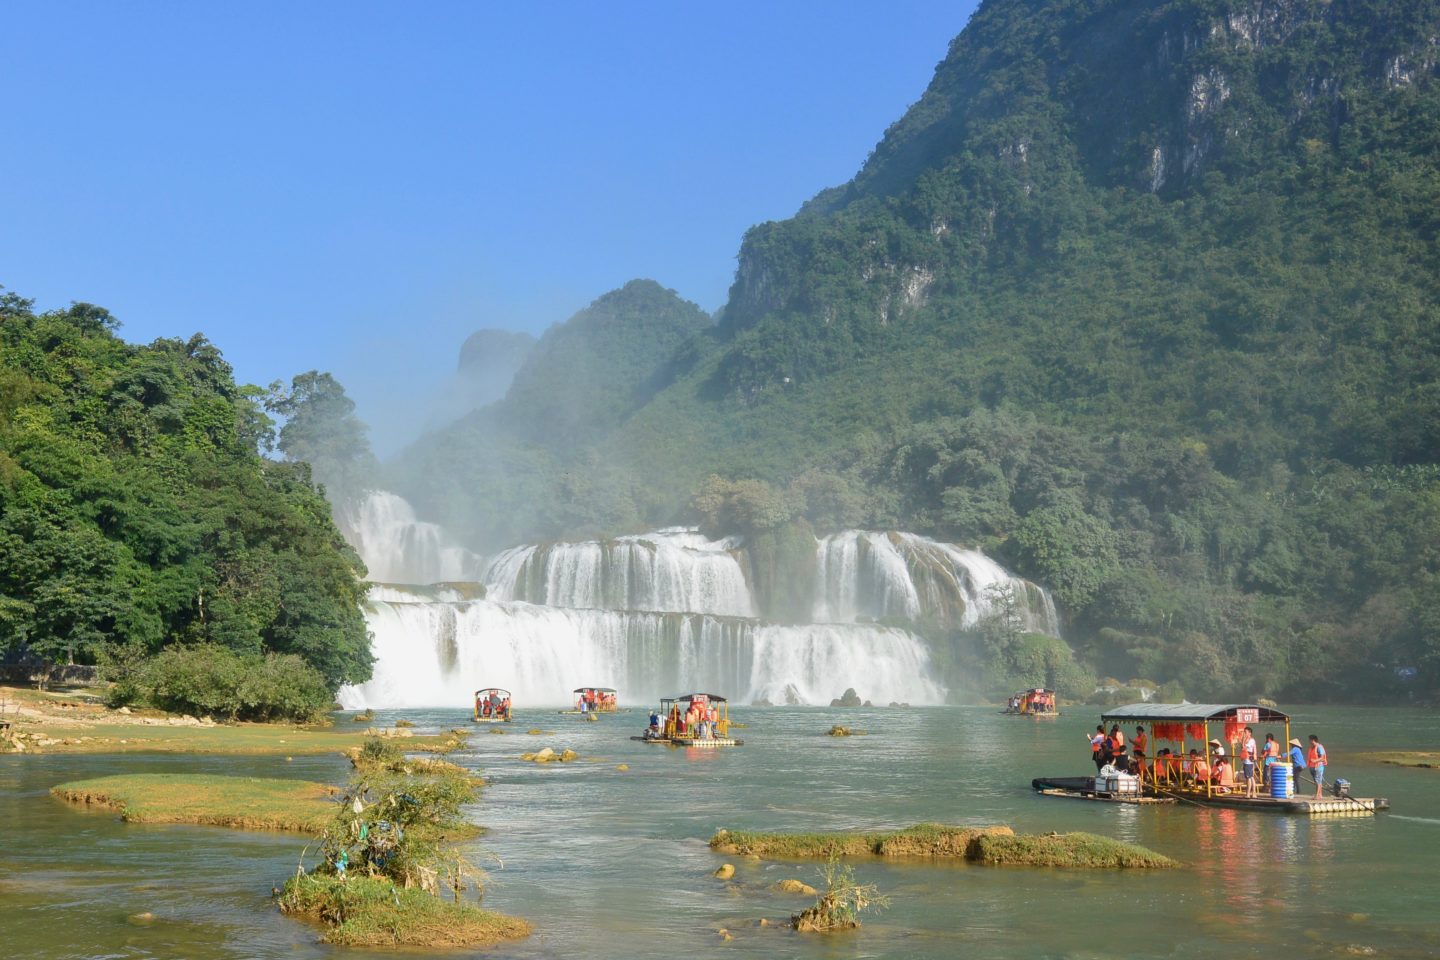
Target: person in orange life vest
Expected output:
[1199,769]
[1140,743]
[1315,760]
[1270,753]
[1224,775]
[1248,755]
[714,720]
[1137,763]
[1117,739]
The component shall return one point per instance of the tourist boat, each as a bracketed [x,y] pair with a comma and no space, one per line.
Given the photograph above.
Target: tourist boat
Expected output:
[1188,725]
[593,700]
[1037,702]
[492,705]
[674,731]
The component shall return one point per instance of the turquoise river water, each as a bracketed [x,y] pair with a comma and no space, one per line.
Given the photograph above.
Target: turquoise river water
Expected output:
[611,864]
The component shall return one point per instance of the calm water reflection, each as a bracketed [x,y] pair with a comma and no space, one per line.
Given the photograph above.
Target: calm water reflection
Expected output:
[614,864]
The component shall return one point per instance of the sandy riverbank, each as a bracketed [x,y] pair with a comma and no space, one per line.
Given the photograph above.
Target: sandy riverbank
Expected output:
[76,720]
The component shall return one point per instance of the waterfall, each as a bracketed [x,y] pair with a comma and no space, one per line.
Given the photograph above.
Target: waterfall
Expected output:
[658,614]
[399,548]
[674,570]
[861,574]
[438,653]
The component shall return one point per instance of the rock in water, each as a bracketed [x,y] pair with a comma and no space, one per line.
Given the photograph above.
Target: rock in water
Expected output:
[849,699]
[725,872]
[794,886]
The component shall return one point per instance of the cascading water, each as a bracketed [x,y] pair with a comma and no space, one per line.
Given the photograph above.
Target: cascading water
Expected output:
[673,571]
[435,654]
[862,574]
[652,615]
[397,547]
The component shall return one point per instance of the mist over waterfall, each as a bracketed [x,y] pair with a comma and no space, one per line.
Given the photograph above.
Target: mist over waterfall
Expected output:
[657,614]
[398,547]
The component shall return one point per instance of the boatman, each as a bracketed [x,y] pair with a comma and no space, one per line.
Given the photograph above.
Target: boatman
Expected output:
[1297,762]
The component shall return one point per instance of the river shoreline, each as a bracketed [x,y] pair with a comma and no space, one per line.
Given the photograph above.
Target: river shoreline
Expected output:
[76,720]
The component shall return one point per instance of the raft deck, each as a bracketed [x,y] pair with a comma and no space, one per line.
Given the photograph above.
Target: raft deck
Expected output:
[711,742]
[1083,788]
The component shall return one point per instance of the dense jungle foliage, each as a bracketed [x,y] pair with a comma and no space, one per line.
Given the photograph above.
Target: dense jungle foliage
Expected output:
[137,516]
[1142,297]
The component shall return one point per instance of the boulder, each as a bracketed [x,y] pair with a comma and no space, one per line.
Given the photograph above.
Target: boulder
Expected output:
[849,699]
[794,886]
[568,755]
[725,872]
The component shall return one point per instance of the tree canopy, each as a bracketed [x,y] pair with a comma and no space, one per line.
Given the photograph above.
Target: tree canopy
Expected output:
[136,512]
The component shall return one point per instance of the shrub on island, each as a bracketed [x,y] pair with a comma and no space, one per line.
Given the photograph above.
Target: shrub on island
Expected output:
[211,680]
[387,855]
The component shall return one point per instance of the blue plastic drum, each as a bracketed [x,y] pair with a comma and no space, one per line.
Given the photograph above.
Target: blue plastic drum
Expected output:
[1280,784]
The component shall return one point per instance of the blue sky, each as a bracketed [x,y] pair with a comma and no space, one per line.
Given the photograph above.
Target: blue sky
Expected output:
[356,187]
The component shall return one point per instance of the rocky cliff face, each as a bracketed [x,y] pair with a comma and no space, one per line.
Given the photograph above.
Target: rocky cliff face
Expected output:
[1048,118]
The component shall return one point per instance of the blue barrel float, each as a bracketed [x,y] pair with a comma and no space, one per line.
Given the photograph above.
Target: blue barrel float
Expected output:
[1280,781]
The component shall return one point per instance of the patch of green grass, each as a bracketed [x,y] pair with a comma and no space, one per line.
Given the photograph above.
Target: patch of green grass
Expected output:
[365,912]
[1065,850]
[1405,758]
[240,738]
[975,844]
[922,840]
[248,803]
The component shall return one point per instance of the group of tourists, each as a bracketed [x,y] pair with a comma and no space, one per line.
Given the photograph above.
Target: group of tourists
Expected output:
[1112,756]
[492,706]
[593,701]
[1032,701]
[700,721]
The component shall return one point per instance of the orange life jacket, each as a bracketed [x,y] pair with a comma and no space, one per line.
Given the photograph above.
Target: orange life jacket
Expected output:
[1316,757]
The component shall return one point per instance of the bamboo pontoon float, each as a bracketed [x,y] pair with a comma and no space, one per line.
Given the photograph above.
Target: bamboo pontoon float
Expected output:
[1171,777]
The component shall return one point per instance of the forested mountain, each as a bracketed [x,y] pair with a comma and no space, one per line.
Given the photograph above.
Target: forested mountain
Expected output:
[136,514]
[1142,296]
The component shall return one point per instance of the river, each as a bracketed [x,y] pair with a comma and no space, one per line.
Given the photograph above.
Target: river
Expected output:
[612,864]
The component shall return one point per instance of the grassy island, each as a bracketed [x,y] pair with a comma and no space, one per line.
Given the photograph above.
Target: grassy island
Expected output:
[1405,758]
[246,803]
[375,912]
[991,845]
[387,855]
